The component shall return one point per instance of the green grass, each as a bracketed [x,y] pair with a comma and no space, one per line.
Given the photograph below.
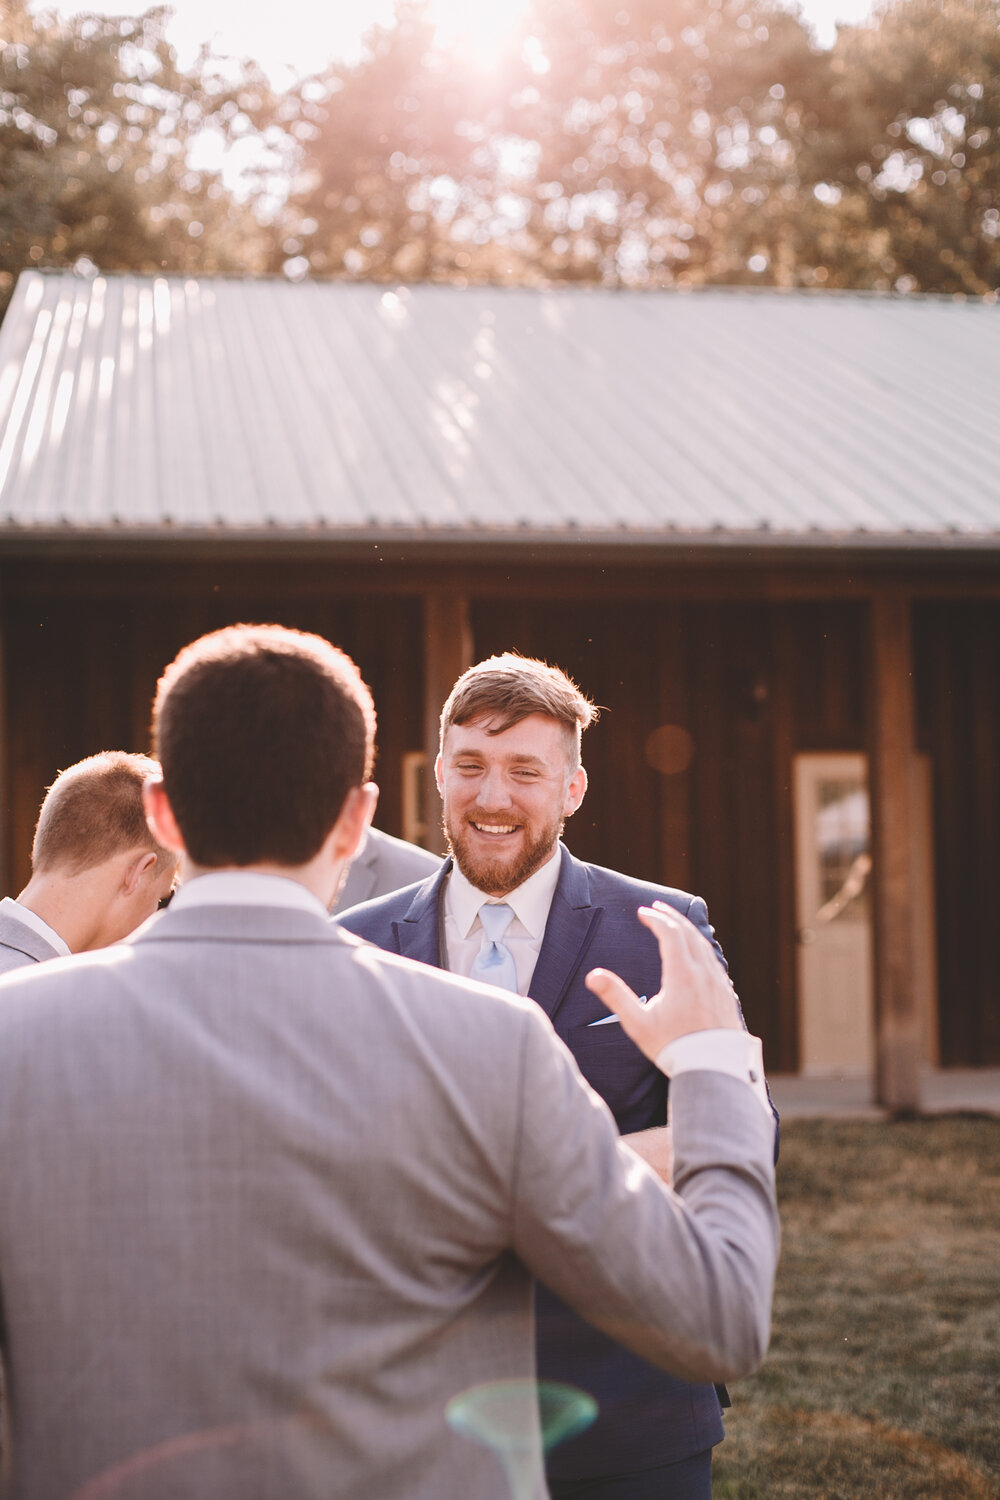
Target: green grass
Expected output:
[883,1378]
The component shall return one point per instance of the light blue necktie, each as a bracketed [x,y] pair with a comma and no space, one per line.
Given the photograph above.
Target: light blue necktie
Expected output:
[494,963]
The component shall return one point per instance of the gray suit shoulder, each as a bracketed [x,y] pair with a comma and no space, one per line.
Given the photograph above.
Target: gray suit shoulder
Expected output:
[398,857]
[20,944]
[13,958]
[384,865]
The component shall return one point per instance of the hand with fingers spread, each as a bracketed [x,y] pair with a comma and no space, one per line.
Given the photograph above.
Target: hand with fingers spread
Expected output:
[695,993]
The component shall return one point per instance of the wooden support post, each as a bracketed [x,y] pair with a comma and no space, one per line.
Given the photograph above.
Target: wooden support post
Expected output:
[447,654]
[787,1055]
[899,1044]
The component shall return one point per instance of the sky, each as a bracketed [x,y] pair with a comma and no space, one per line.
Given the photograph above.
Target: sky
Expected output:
[311,32]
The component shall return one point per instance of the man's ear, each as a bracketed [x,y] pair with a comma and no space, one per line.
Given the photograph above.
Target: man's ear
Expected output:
[439,773]
[575,792]
[353,820]
[138,865]
[160,816]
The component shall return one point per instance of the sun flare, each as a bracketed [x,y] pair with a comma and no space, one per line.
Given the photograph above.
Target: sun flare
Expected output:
[477,28]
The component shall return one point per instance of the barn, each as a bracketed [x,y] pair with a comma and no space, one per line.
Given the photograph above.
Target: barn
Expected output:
[761,529]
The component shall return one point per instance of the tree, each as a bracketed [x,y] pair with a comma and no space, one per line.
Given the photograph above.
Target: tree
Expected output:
[623,147]
[667,137]
[624,142]
[663,142]
[393,181]
[913,175]
[96,123]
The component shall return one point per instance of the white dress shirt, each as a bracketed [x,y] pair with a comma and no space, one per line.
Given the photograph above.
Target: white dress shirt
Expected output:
[734,1052]
[245,888]
[21,913]
[530,902]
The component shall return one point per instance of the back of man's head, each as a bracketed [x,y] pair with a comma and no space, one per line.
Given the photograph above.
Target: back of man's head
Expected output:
[508,688]
[261,732]
[93,812]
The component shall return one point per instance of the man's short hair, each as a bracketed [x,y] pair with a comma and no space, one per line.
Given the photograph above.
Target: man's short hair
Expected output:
[508,688]
[93,811]
[261,732]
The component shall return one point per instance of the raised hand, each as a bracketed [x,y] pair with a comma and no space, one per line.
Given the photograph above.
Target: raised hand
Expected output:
[695,993]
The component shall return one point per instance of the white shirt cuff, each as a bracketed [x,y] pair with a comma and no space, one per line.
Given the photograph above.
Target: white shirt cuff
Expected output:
[734,1052]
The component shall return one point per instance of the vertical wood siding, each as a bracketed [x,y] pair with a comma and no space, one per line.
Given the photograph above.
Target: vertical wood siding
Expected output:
[958,708]
[751,682]
[81,673]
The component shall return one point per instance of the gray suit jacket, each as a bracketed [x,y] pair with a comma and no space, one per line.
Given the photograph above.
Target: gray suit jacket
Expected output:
[384,864]
[20,944]
[270,1197]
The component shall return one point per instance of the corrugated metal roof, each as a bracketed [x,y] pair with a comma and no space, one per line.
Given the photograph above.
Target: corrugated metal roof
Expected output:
[212,406]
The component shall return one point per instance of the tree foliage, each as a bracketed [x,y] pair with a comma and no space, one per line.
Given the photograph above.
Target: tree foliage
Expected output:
[374,138]
[663,142]
[623,142]
[666,139]
[96,123]
[916,161]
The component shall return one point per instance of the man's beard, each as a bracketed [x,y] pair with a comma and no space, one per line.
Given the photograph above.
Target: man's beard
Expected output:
[496,876]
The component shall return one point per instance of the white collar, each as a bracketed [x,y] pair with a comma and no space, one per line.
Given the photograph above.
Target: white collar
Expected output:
[30,919]
[530,901]
[245,888]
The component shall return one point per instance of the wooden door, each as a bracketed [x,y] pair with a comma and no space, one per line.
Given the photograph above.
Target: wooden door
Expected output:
[833,908]
[834,917]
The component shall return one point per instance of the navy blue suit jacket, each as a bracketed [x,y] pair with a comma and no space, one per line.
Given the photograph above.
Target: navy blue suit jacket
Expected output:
[647,1417]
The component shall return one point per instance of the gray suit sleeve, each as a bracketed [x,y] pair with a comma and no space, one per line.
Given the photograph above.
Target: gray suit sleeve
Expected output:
[684,1277]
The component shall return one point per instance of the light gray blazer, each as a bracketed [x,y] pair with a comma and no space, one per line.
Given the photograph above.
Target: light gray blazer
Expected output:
[270,1197]
[383,865]
[20,944]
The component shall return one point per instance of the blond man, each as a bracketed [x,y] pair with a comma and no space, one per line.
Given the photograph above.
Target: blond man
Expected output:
[96,870]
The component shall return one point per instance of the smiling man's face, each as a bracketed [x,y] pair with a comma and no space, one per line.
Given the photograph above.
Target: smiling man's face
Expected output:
[506,797]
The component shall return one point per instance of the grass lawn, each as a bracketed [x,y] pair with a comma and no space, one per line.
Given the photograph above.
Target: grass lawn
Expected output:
[883,1378]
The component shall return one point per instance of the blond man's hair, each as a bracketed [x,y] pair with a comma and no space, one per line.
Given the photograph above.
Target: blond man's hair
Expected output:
[93,811]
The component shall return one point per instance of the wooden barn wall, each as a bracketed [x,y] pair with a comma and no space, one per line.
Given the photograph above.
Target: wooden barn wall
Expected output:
[742,685]
[80,675]
[957,649]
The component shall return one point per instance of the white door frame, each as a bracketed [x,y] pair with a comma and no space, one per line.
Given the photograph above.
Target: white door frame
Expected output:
[833,914]
[834,934]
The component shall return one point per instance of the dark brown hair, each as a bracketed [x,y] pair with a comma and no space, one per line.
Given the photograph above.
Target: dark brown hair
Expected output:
[508,688]
[261,732]
[93,811]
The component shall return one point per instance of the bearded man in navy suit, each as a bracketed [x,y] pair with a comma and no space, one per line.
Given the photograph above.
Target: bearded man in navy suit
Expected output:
[509,773]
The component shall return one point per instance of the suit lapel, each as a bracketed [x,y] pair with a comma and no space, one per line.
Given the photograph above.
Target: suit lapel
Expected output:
[418,934]
[573,920]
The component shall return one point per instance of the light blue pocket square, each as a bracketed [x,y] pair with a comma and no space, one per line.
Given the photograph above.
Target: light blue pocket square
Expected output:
[611,1020]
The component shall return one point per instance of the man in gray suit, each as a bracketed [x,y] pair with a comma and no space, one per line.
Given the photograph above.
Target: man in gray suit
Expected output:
[96,870]
[382,865]
[271,1197]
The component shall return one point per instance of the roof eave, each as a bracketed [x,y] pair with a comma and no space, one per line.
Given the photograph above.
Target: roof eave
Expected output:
[622,544]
